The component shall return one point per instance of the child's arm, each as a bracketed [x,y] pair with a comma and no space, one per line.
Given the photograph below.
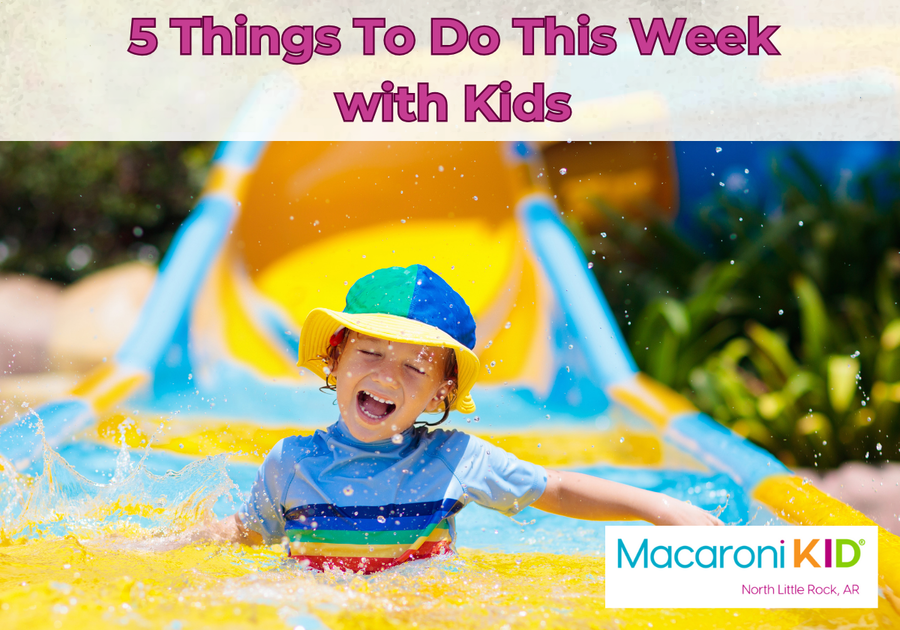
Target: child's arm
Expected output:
[590,498]
[228,529]
[231,529]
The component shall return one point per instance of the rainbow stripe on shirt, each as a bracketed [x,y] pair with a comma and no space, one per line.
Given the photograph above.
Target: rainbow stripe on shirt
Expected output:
[369,538]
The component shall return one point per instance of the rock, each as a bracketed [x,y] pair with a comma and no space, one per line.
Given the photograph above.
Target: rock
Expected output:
[27,310]
[96,315]
[22,392]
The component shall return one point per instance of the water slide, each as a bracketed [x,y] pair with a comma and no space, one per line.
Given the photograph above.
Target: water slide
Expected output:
[282,228]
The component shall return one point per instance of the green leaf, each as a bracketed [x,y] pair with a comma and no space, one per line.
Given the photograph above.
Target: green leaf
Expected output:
[801,383]
[770,405]
[890,338]
[677,316]
[884,296]
[842,372]
[813,319]
[814,423]
[700,348]
[734,351]
[662,365]
[773,347]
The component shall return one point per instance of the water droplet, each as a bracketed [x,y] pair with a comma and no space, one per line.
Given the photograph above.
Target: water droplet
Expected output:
[746,170]
[732,262]
[397,438]
[381,519]
[493,363]
[621,439]
[348,491]
[548,416]
[594,251]
[476,419]
[540,174]
[475,197]
[603,234]
[590,265]
[508,324]
[878,446]
[440,169]
[563,171]
[539,445]
[800,223]
[781,311]
[854,355]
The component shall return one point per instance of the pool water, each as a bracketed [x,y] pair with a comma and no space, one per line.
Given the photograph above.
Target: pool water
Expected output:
[86,539]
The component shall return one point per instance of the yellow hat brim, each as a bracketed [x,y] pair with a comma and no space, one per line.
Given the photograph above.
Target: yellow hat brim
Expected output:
[322,323]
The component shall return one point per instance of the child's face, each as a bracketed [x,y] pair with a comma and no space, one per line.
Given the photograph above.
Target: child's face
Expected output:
[383,386]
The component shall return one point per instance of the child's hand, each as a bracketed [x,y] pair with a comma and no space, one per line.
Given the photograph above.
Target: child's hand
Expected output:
[675,512]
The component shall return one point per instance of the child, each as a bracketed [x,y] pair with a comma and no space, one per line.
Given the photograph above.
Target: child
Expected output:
[376,488]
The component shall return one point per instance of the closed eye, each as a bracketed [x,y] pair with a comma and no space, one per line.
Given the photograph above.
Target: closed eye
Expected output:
[416,370]
[370,353]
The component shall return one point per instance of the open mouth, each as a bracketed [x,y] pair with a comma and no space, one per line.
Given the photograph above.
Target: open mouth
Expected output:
[373,407]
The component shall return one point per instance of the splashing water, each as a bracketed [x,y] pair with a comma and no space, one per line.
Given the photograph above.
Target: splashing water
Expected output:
[76,552]
[62,502]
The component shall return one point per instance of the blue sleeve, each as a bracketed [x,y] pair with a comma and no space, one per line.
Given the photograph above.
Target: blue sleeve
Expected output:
[263,512]
[498,480]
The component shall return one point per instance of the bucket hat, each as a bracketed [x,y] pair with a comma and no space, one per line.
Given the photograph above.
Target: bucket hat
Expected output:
[404,304]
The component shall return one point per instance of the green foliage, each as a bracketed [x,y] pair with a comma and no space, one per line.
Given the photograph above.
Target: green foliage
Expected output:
[67,209]
[785,328]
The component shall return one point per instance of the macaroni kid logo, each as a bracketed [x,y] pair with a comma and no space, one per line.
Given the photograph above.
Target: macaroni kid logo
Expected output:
[730,554]
[773,567]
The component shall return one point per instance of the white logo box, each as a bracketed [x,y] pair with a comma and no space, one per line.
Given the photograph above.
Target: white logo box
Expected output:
[754,567]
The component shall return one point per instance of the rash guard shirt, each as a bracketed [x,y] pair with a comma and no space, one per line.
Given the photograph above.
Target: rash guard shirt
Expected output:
[367,506]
